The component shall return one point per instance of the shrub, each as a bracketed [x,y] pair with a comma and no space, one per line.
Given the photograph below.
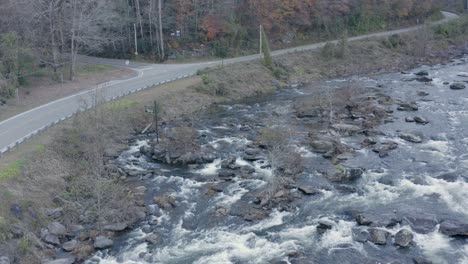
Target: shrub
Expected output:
[205,79]
[393,42]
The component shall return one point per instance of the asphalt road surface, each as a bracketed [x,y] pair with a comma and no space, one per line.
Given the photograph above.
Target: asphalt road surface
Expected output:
[25,125]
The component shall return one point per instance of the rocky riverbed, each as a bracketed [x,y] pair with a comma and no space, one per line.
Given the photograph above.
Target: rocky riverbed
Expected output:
[375,172]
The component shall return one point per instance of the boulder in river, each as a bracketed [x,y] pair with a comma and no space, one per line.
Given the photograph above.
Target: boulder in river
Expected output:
[360,235]
[454,228]
[378,236]
[422,73]
[410,137]
[308,190]
[457,86]
[347,175]
[423,79]
[321,146]
[420,120]
[361,219]
[102,242]
[421,223]
[403,238]
[408,106]
[153,239]
[165,201]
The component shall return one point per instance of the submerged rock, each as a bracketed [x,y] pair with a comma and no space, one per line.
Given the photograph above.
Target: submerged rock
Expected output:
[403,238]
[454,228]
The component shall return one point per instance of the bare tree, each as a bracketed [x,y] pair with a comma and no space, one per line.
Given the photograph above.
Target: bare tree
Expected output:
[87,23]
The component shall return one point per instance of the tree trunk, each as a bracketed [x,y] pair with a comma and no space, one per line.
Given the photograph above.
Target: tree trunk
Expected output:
[161,38]
[137,5]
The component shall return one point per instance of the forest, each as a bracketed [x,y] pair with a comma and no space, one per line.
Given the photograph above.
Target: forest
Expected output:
[51,33]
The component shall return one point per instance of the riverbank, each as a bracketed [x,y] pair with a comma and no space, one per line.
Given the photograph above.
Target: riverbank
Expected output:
[105,133]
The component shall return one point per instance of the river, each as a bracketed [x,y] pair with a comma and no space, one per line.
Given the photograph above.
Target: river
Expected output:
[416,187]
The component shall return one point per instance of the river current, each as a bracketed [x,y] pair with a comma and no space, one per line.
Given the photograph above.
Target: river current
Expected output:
[425,181]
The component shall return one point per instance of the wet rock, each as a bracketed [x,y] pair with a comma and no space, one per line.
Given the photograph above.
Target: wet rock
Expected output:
[361,219]
[360,235]
[307,190]
[252,151]
[102,242]
[324,225]
[221,211]
[422,73]
[165,202]
[405,106]
[230,163]
[411,137]
[457,86]
[119,227]
[250,214]
[347,175]
[409,119]
[321,146]
[449,177]
[247,170]
[56,228]
[384,149]
[423,79]
[423,93]
[153,239]
[67,260]
[421,223]
[146,229]
[378,236]
[403,238]
[420,120]
[70,245]
[4,260]
[454,228]
[226,174]
[252,157]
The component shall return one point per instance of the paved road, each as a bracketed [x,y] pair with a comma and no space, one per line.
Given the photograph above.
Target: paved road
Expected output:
[21,127]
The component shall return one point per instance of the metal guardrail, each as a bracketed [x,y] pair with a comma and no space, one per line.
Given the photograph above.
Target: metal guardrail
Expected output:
[56,122]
